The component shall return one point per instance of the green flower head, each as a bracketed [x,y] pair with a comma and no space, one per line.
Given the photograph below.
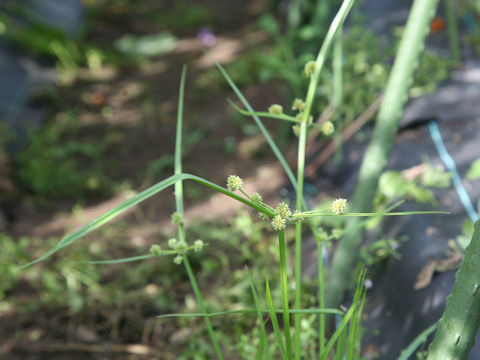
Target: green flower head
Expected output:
[275,109]
[198,245]
[309,68]
[177,218]
[181,247]
[300,117]
[178,259]
[339,206]
[298,105]
[328,128]
[263,216]
[172,243]
[256,197]
[298,219]
[279,223]
[283,210]
[155,250]
[234,183]
[296,130]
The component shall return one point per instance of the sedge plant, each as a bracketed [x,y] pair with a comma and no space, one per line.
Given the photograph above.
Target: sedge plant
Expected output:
[344,341]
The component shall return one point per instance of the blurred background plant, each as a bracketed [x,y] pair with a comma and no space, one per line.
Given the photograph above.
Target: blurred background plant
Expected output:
[109,118]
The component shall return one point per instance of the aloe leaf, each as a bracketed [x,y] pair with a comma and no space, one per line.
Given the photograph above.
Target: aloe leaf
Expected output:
[461,319]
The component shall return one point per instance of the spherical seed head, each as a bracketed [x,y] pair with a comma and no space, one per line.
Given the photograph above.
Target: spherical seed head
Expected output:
[234,183]
[298,105]
[322,235]
[296,130]
[298,219]
[198,245]
[275,109]
[181,247]
[279,223]
[172,243]
[263,216]
[309,68]
[178,259]
[300,117]
[337,233]
[177,218]
[339,206]
[283,210]
[328,128]
[256,197]
[155,249]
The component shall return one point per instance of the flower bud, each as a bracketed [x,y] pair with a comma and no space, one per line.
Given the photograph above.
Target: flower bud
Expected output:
[275,109]
[328,128]
[296,129]
[298,105]
[155,250]
[309,68]
[256,197]
[263,216]
[177,218]
[181,247]
[178,259]
[198,245]
[298,219]
[172,243]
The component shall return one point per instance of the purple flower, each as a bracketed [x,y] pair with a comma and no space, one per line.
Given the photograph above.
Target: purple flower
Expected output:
[206,37]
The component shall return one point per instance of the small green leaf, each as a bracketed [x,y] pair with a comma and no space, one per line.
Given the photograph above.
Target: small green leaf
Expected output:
[393,185]
[436,176]
[147,45]
[474,171]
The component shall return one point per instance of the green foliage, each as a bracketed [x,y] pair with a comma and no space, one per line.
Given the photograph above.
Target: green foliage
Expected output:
[57,163]
[467,232]
[184,15]
[37,38]
[365,66]
[393,185]
[146,45]
[460,321]
[436,176]
[474,170]
[379,250]
[244,70]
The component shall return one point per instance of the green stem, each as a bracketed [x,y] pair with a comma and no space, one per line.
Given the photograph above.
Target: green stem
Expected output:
[461,319]
[179,206]
[312,87]
[284,286]
[321,300]
[298,235]
[202,307]
[383,137]
[322,54]
[452,30]
[337,70]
